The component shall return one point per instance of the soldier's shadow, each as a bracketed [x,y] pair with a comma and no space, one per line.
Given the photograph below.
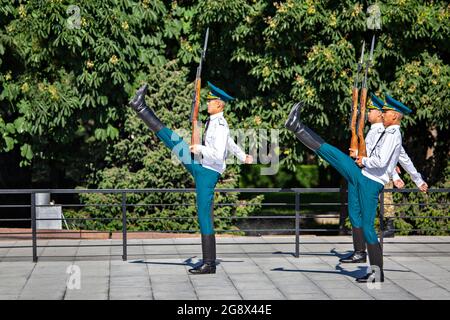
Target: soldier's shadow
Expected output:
[361,271]
[188,262]
[340,255]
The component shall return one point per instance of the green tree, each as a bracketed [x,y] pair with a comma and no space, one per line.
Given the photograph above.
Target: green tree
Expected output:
[64,88]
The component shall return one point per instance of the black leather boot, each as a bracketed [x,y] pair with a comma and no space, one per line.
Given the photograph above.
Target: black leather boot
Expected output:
[359,245]
[355,257]
[376,263]
[389,232]
[308,137]
[143,111]
[209,256]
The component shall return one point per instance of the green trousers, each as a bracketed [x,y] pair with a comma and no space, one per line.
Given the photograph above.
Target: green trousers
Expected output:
[363,192]
[205,179]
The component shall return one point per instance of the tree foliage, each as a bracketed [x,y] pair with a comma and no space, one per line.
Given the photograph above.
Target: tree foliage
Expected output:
[65,81]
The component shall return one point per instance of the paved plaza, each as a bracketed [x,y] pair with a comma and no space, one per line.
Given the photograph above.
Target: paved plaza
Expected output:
[261,268]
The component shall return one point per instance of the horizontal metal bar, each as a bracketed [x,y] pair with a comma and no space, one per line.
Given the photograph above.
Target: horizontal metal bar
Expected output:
[187,190]
[15,206]
[321,216]
[94,205]
[196,243]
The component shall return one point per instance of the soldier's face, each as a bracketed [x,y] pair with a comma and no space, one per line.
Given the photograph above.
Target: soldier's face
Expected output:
[375,116]
[389,117]
[215,106]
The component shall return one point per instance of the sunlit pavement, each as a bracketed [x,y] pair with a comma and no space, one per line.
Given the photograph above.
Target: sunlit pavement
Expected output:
[261,268]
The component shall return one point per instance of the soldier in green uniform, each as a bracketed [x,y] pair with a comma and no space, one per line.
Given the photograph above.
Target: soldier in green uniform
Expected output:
[368,181]
[206,172]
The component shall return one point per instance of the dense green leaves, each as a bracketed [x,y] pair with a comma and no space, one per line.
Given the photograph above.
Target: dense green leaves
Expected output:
[65,79]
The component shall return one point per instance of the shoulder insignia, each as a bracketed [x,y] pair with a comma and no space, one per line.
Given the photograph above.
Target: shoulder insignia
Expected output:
[391,130]
[222,122]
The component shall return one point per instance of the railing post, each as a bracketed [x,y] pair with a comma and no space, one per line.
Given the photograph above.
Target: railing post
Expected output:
[33,226]
[297,225]
[381,218]
[124,226]
[343,211]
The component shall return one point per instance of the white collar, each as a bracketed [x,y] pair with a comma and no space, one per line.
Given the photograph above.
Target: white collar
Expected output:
[377,126]
[394,126]
[217,115]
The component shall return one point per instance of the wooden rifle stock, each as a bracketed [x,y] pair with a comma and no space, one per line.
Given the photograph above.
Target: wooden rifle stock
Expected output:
[354,139]
[362,105]
[362,117]
[354,143]
[195,138]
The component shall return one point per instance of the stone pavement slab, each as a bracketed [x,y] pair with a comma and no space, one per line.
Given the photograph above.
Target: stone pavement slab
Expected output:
[260,268]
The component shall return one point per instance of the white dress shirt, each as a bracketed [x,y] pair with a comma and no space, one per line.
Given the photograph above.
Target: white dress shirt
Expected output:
[217,144]
[376,130]
[404,160]
[235,149]
[407,164]
[381,164]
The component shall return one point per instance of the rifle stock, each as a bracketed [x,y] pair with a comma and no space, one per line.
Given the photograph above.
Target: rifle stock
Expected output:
[354,139]
[195,138]
[362,117]
[362,104]
[354,143]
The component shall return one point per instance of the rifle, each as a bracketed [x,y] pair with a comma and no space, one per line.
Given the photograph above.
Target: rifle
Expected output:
[195,138]
[362,105]
[354,139]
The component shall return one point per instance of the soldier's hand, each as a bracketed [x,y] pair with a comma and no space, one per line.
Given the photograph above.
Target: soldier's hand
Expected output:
[399,183]
[397,168]
[359,161]
[195,149]
[353,153]
[248,159]
[423,187]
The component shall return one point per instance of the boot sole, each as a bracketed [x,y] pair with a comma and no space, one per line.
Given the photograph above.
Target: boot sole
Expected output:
[293,111]
[356,261]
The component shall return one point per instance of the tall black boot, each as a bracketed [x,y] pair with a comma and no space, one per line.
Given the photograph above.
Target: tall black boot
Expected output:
[308,137]
[143,111]
[209,256]
[389,232]
[359,254]
[376,260]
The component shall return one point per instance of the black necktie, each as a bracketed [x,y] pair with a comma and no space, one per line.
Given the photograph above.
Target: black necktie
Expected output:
[377,143]
[204,134]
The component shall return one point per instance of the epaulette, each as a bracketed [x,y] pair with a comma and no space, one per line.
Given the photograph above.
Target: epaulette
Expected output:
[391,130]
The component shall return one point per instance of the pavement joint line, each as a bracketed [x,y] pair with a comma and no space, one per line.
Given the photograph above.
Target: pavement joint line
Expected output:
[424,277]
[386,277]
[108,296]
[187,272]
[397,283]
[9,249]
[148,274]
[425,258]
[399,286]
[267,276]
[312,280]
[232,283]
[432,247]
[28,278]
[349,280]
[73,263]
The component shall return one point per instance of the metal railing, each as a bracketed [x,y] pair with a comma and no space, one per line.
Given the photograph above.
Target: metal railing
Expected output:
[297,216]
